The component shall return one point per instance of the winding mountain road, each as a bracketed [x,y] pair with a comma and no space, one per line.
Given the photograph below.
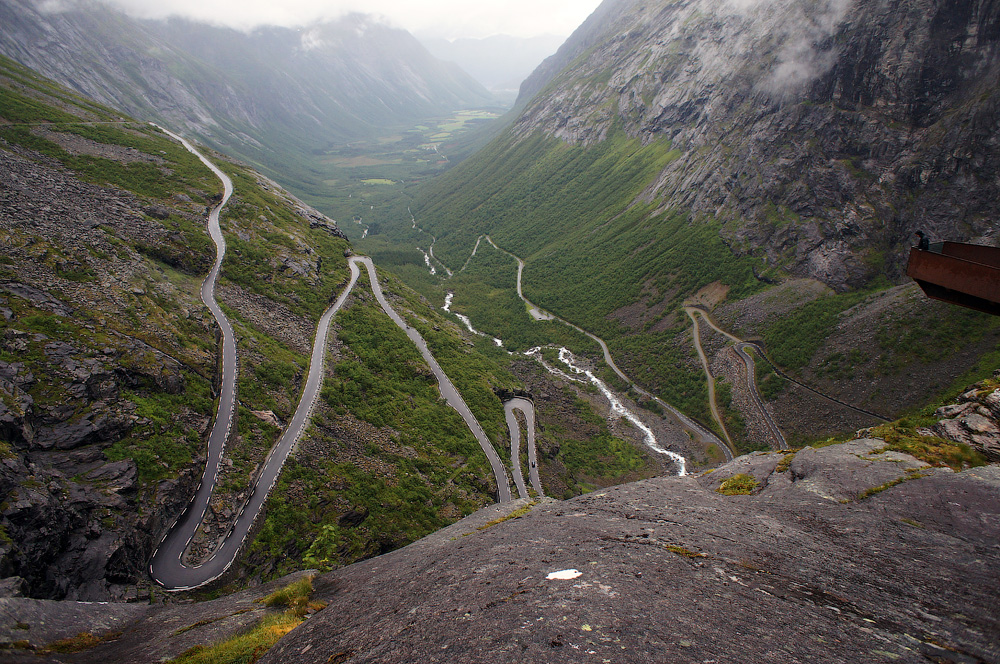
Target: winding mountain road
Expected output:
[700,433]
[527,409]
[741,349]
[740,346]
[712,404]
[448,391]
[167,566]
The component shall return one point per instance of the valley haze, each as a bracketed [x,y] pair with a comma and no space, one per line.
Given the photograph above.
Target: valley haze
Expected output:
[445,19]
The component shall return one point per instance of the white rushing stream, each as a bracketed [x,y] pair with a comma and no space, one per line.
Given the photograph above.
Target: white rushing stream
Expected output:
[429,254]
[617,407]
[359,222]
[465,320]
[427,261]
[566,357]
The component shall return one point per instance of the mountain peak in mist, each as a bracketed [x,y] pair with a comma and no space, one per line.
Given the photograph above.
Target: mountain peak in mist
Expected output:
[499,62]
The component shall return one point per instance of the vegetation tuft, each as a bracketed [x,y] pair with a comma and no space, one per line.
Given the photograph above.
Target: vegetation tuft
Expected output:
[250,646]
[902,436]
[683,552]
[295,597]
[785,463]
[244,648]
[912,474]
[738,485]
[79,643]
[516,514]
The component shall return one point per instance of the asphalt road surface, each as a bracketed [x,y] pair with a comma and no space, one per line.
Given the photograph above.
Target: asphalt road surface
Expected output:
[528,410]
[448,390]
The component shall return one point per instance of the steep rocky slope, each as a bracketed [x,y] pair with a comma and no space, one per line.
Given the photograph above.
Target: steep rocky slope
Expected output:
[750,148]
[823,134]
[82,344]
[107,355]
[816,565]
[846,553]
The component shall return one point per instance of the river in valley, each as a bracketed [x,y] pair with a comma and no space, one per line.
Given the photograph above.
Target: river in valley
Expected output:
[697,431]
[616,403]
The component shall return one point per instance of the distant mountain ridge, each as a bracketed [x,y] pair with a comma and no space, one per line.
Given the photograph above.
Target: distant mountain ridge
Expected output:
[499,62]
[260,96]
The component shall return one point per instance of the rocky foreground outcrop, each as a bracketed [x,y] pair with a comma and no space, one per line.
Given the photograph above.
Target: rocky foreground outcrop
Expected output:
[826,561]
[847,553]
[973,420]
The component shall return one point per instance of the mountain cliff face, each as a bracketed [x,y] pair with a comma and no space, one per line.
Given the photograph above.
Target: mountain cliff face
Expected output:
[672,149]
[265,96]
[823,133]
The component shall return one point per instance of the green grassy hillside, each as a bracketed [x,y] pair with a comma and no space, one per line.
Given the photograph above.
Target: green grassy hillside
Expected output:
[108,354]
[603,254]
[578,217]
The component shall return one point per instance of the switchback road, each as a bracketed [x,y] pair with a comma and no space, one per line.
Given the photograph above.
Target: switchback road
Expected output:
[167,565]
[751,386]
[700,433]
[527,409]
[713,406]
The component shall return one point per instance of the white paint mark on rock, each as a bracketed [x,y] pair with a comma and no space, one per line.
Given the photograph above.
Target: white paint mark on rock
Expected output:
[564,575]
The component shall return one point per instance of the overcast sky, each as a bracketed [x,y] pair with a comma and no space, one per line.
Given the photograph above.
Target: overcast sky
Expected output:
[438,18]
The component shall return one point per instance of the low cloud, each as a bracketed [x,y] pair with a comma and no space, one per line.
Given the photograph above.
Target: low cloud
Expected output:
[312,40]
[56,6]
[802,58]
[441,18]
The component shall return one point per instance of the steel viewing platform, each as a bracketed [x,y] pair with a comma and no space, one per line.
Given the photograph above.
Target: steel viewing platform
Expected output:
[964,274]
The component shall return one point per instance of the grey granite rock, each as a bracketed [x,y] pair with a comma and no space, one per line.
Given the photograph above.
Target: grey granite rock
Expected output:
[40,622]
[670,570]
[973,422]
[140,632]
[842,554]
[13,586]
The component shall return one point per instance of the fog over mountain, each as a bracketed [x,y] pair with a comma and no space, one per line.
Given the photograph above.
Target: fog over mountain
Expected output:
[500,62]
[265,95]
[445,19]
